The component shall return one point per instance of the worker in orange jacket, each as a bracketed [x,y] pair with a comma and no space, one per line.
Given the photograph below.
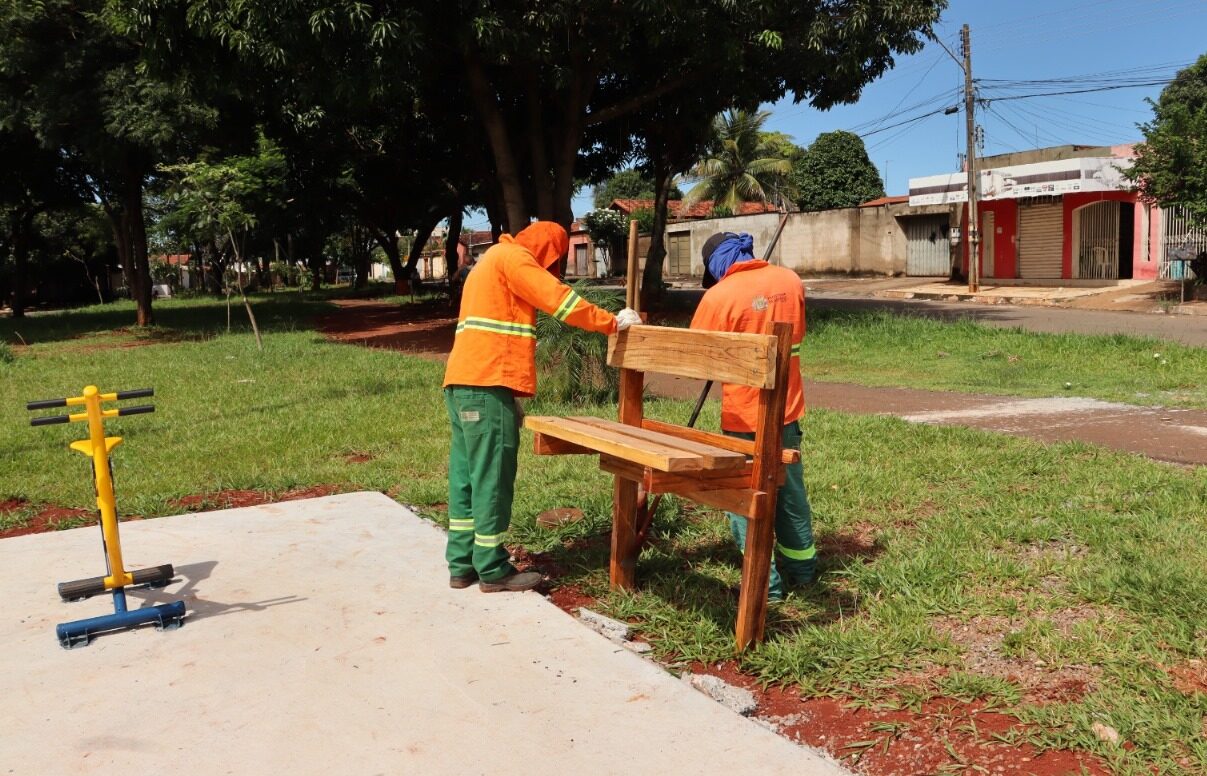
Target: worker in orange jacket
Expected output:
[493,361]
[744,293]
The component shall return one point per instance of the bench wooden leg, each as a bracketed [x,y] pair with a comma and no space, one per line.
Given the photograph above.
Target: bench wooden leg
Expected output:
[756,575]
[624,534]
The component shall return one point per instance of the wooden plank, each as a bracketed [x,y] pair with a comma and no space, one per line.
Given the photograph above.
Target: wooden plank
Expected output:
[547,445]
[666,482]
[622,566]
[760,530]
[630,409]
[607,442]
[736,444]
[726,357]
[756,575]
[742,501]
[714,457]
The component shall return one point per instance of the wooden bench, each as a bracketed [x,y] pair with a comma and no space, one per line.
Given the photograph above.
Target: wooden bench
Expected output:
[728,473]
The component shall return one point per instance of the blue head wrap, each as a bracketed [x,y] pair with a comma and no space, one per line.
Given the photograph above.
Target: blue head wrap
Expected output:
[735,248]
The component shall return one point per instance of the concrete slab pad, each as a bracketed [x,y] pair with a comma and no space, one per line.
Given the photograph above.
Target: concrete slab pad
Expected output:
[322,638]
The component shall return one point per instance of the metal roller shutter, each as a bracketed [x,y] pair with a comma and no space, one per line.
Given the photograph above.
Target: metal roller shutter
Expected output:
[1040,236]
[928,251]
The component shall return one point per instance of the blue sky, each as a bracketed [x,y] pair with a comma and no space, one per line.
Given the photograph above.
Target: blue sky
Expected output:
[1023,40]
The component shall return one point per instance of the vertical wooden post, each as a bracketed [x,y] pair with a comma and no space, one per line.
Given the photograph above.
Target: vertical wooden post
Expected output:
[760,529]
[625,549]
[632,292]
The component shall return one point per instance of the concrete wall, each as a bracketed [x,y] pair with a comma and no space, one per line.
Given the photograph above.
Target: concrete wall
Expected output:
[849,240]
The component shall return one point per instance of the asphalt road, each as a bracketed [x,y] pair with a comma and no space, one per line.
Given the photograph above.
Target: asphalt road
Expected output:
[1187,329]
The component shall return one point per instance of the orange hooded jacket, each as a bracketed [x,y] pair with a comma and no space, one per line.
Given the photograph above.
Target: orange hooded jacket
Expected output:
[750,294]
[496,330]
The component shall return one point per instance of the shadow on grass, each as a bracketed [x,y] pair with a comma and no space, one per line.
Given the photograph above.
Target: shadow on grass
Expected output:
[180,319]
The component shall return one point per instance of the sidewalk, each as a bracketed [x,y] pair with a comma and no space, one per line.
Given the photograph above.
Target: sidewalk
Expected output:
[1136,296]
[322,638]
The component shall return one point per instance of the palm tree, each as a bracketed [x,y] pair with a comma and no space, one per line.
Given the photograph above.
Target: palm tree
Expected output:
[741,164]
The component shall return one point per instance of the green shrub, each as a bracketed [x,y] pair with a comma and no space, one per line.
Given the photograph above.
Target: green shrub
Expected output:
[572,362]
[6,353]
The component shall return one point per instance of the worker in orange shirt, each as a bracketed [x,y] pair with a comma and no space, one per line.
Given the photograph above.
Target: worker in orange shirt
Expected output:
[744,293]
[493,361]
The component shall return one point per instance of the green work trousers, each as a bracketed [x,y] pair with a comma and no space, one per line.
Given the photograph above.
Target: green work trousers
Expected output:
[795,555]
[481,479]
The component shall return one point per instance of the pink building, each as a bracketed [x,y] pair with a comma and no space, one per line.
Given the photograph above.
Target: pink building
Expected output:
[1063,214]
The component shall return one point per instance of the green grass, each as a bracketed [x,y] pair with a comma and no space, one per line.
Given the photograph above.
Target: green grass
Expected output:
[964,523]
[880,348]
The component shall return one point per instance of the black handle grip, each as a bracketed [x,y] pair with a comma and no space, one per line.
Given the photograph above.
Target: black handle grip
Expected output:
[49,421]
[141,409]
[45,404]
[137,393]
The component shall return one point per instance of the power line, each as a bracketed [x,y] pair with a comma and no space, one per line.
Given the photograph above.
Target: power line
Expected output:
[1086,90]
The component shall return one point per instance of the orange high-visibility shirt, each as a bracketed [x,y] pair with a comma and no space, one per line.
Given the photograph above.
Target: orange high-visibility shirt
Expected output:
[751,294]
[496,330]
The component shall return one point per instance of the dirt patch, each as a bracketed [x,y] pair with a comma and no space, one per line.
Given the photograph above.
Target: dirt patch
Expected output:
[944,736]
[355,457]
[48,518]
[12,504]
[981,638]
[856,542]
[569,598]
[423,328]
[234,499]
[1191,678]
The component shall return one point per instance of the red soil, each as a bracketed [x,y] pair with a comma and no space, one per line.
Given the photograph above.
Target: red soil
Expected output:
[48,518]
[231,499]
[944,735]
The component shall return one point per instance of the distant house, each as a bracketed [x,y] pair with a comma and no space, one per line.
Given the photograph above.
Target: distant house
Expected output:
[1062,214]
[701,209]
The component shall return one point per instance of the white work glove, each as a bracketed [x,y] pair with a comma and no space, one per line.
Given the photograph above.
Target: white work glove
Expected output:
[626,318]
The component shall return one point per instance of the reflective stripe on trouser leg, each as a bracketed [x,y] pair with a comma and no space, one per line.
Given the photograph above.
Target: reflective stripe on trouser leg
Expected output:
[796,556]
[490,430]
[459,551]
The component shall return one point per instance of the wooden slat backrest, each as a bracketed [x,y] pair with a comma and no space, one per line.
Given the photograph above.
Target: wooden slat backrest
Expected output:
[726,357]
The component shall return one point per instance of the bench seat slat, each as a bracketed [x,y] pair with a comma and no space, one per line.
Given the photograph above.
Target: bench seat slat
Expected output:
[608,442]
[714,457]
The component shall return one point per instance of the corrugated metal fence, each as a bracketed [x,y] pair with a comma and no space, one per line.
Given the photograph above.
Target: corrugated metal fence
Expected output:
[1180,238]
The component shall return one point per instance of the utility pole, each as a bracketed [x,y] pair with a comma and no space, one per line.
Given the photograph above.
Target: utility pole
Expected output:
[972,233]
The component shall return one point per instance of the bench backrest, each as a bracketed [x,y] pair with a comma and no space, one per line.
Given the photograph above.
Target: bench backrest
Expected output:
[739,359]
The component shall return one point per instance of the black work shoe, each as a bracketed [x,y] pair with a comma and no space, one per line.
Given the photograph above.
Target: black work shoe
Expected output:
[463,581]
[512,583]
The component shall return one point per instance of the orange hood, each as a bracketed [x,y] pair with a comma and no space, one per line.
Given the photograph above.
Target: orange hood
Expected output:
[545,240]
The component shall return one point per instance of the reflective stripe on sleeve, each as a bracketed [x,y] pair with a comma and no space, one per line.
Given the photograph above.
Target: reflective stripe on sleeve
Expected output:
[567,306]
[796,349]
[809,553]
[498,327]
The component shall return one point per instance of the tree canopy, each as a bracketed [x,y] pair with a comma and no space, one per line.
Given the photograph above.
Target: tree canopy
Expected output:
[393,116]
[835,171]
[742,163]
[1171,163]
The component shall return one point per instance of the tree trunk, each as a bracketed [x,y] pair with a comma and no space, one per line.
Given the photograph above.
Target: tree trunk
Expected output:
[652,291]
[450,244]
[506,167]
[139,261]
[542,179]
[422,234]
[21,233]
[493,212]
[388,240]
